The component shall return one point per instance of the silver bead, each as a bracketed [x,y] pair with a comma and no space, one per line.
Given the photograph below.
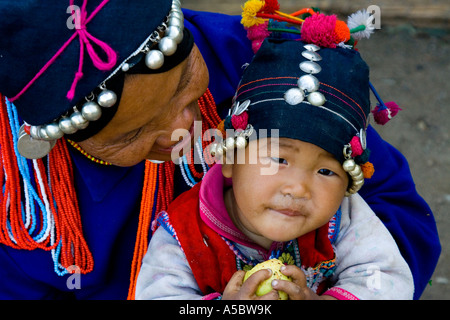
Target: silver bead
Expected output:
[168,46]
[294,96]
[219,151]
[241,142]
[230,143]
[309,83]
[53,131]
[356,171]
[175,33]
[107,98]
[91,111]
[212,149]
[78,120]
[311,55]
[34,132]
[66,126]
[176,14]
[316,98]
[349,165]
[176,22]
[125,67]
[310,67]
[311,47]
[154,59]
[43,134]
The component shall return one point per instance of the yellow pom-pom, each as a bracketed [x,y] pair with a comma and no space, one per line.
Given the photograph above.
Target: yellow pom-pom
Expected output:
[342,31]
[250,9]
[368,170]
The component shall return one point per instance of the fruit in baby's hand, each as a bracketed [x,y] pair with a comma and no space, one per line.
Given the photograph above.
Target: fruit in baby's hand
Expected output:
[266,286]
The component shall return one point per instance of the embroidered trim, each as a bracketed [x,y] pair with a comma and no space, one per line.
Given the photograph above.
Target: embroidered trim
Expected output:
[340,294]
[334,226]
[219,224]
[164,221]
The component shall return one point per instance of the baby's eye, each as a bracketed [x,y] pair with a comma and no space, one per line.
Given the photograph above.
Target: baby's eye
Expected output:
[326,172]
[279,160]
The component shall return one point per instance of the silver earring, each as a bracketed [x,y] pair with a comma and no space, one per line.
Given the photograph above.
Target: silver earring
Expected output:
[354,170]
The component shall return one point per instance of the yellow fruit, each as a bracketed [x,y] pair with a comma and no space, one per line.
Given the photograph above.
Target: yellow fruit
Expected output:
[266,285]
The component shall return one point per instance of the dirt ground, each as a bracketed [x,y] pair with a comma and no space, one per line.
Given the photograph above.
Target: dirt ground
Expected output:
[411,65]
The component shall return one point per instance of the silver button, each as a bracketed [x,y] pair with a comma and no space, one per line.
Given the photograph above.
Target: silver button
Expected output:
[311,47]
[311,55]
[310,67]
[309,83]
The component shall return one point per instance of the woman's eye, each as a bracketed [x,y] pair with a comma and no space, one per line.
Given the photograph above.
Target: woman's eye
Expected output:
[279,160]
[326,172]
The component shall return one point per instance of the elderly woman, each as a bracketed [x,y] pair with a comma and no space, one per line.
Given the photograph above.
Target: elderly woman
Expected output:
[93,91]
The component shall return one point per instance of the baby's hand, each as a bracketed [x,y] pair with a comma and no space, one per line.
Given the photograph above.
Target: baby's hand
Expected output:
[297,289]
[236,290]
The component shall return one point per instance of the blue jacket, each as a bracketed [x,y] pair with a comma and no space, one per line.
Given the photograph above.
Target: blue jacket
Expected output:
[109,197]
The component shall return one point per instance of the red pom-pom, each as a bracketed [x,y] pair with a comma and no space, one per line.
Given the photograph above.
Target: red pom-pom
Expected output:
[240,121]
[357,149]
[319,29]
[383,113]
[270,6]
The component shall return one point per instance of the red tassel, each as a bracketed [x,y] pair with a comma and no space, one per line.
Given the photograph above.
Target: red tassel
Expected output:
[385,112]
[270,6]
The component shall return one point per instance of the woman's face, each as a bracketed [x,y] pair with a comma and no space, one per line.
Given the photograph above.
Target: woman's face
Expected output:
[152,106]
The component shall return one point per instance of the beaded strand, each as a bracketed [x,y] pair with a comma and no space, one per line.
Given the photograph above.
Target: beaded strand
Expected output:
[158,192]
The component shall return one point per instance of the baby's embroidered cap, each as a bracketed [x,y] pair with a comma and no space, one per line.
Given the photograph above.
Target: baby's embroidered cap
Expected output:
[307,81]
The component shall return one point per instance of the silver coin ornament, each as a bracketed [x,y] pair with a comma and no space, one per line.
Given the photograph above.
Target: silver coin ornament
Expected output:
[32,148]
[107,98]
[311,55]
[294,96]
[311,47]
[91,111]
[309,83]
[316,99]
[310,67]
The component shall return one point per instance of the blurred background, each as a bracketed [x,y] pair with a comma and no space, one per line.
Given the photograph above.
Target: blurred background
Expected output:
[409,59]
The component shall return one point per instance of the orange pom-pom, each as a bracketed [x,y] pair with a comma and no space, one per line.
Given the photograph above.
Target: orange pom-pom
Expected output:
[368,170]
[342,31]
[221,128]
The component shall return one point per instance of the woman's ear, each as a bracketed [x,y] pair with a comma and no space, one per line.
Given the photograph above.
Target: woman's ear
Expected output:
[227,170]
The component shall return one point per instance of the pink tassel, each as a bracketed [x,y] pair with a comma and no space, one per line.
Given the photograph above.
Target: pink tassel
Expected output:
[385,112]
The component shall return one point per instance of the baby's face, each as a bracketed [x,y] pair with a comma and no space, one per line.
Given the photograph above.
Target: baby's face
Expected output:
[304,193]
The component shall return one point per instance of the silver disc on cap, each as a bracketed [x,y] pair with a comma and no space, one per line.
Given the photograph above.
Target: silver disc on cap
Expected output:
[311,55]
[309,83]
[310,67]
[31,148]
